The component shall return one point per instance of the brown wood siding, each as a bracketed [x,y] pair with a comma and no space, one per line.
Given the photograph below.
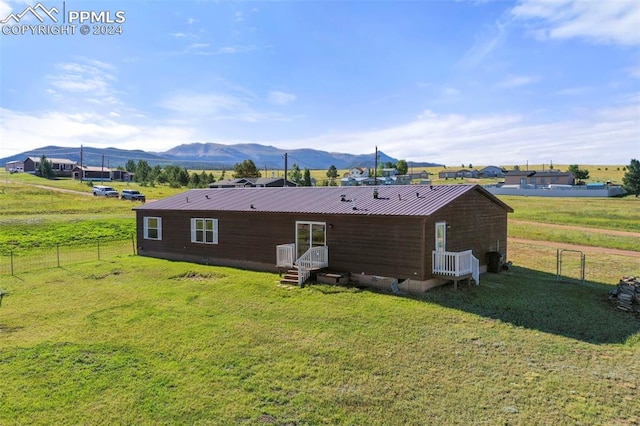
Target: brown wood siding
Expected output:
[389,246]
[386,246]
[392,246]
[476,223]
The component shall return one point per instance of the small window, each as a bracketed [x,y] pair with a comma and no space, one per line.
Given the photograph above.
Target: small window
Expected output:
[204,231]
[152,228]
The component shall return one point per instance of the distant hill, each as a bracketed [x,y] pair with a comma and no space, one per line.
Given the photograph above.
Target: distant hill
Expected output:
[213,156]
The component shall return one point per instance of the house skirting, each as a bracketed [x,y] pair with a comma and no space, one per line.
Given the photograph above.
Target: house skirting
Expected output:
[387,283]
[213,261]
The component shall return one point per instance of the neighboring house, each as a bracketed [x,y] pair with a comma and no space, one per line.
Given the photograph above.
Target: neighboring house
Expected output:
[491,172]
[419,175]
[416,236]
[122,175]
[389,172]
[14,166]
[533,178]
[91,173]
[362,181]
[358,172]
[252,183]
[61,166]
[461,173]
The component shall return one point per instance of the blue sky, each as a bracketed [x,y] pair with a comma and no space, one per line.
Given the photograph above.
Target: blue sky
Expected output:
[452,82]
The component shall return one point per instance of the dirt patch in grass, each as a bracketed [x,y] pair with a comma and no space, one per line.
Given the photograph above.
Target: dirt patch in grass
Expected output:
[197,276]
[115,272]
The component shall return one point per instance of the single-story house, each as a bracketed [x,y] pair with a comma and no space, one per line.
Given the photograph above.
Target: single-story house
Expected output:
[412,236]
[491,172]
[252,183]
[122,175]
[14,166]
[357,172]
[61,166]
[91,173]
[418,175]
[527,178]
[454,174]
[361,181]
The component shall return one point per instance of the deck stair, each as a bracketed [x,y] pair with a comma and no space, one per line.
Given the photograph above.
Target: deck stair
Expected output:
[291,276]
[300,270]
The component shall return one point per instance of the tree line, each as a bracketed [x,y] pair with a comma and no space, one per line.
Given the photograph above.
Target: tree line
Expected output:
[177,177]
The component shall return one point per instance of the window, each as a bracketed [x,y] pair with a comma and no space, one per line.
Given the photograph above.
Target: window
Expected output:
[310,234]
[204,231]
[152,228]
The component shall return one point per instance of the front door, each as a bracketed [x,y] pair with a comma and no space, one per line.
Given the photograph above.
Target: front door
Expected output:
[441,236]
[440,246]
[309,234]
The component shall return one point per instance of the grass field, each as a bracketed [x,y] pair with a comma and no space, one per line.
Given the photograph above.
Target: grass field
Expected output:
[141,341]
[134,340]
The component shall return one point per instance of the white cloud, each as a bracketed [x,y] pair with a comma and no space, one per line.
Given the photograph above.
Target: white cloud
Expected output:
[573,91]
[602,137]
[634,71]
[607,136]
[25,131]
[486,43]
[281,98]
[239,107]
[93,76]
[517,81]
[198,46]
[204,104]
[605,22]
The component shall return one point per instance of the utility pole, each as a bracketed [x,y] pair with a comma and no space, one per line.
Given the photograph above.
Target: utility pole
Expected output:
[102,171]
[286,158]
[81,166]
[375,168]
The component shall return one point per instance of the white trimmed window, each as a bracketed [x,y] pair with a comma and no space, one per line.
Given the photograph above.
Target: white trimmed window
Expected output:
[152,228]
[204,231]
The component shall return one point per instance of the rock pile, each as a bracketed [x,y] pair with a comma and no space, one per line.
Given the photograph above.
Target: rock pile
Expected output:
[627,294]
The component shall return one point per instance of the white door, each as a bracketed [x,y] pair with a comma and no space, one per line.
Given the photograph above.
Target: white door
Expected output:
[441,236]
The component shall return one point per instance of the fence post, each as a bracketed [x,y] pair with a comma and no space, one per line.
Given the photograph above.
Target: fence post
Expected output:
[11,255]
[58,253]
[98,249]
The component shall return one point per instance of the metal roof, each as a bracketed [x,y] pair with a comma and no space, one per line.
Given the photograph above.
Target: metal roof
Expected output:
[393,200]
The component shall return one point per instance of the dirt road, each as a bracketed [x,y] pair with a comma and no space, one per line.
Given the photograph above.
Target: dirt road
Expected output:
[586,249]
[579,228]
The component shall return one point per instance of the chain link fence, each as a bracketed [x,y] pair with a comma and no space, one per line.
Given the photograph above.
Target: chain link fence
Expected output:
[64,254]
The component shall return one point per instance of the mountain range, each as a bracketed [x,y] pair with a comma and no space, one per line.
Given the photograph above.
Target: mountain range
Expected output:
[213,156]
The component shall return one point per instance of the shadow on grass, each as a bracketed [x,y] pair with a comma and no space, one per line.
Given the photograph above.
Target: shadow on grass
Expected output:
[536,300]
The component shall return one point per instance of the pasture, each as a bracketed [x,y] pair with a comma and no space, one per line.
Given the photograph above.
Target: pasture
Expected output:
[133,340]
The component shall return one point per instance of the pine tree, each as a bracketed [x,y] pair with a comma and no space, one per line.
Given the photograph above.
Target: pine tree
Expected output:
[631,178]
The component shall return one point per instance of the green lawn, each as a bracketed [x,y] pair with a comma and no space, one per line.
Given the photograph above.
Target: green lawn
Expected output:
[146,341]
[133,340]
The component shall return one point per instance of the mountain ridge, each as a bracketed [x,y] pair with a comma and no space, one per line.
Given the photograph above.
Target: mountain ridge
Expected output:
[210,155]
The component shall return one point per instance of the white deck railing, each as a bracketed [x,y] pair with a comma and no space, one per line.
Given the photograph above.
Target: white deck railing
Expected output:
[456,264]
[314,258]
[285,255]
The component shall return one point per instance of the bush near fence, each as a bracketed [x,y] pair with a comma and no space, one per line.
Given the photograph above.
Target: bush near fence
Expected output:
[64,254]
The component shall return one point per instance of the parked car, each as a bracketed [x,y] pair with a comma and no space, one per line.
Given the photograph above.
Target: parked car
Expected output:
[105,191]
[132,194]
